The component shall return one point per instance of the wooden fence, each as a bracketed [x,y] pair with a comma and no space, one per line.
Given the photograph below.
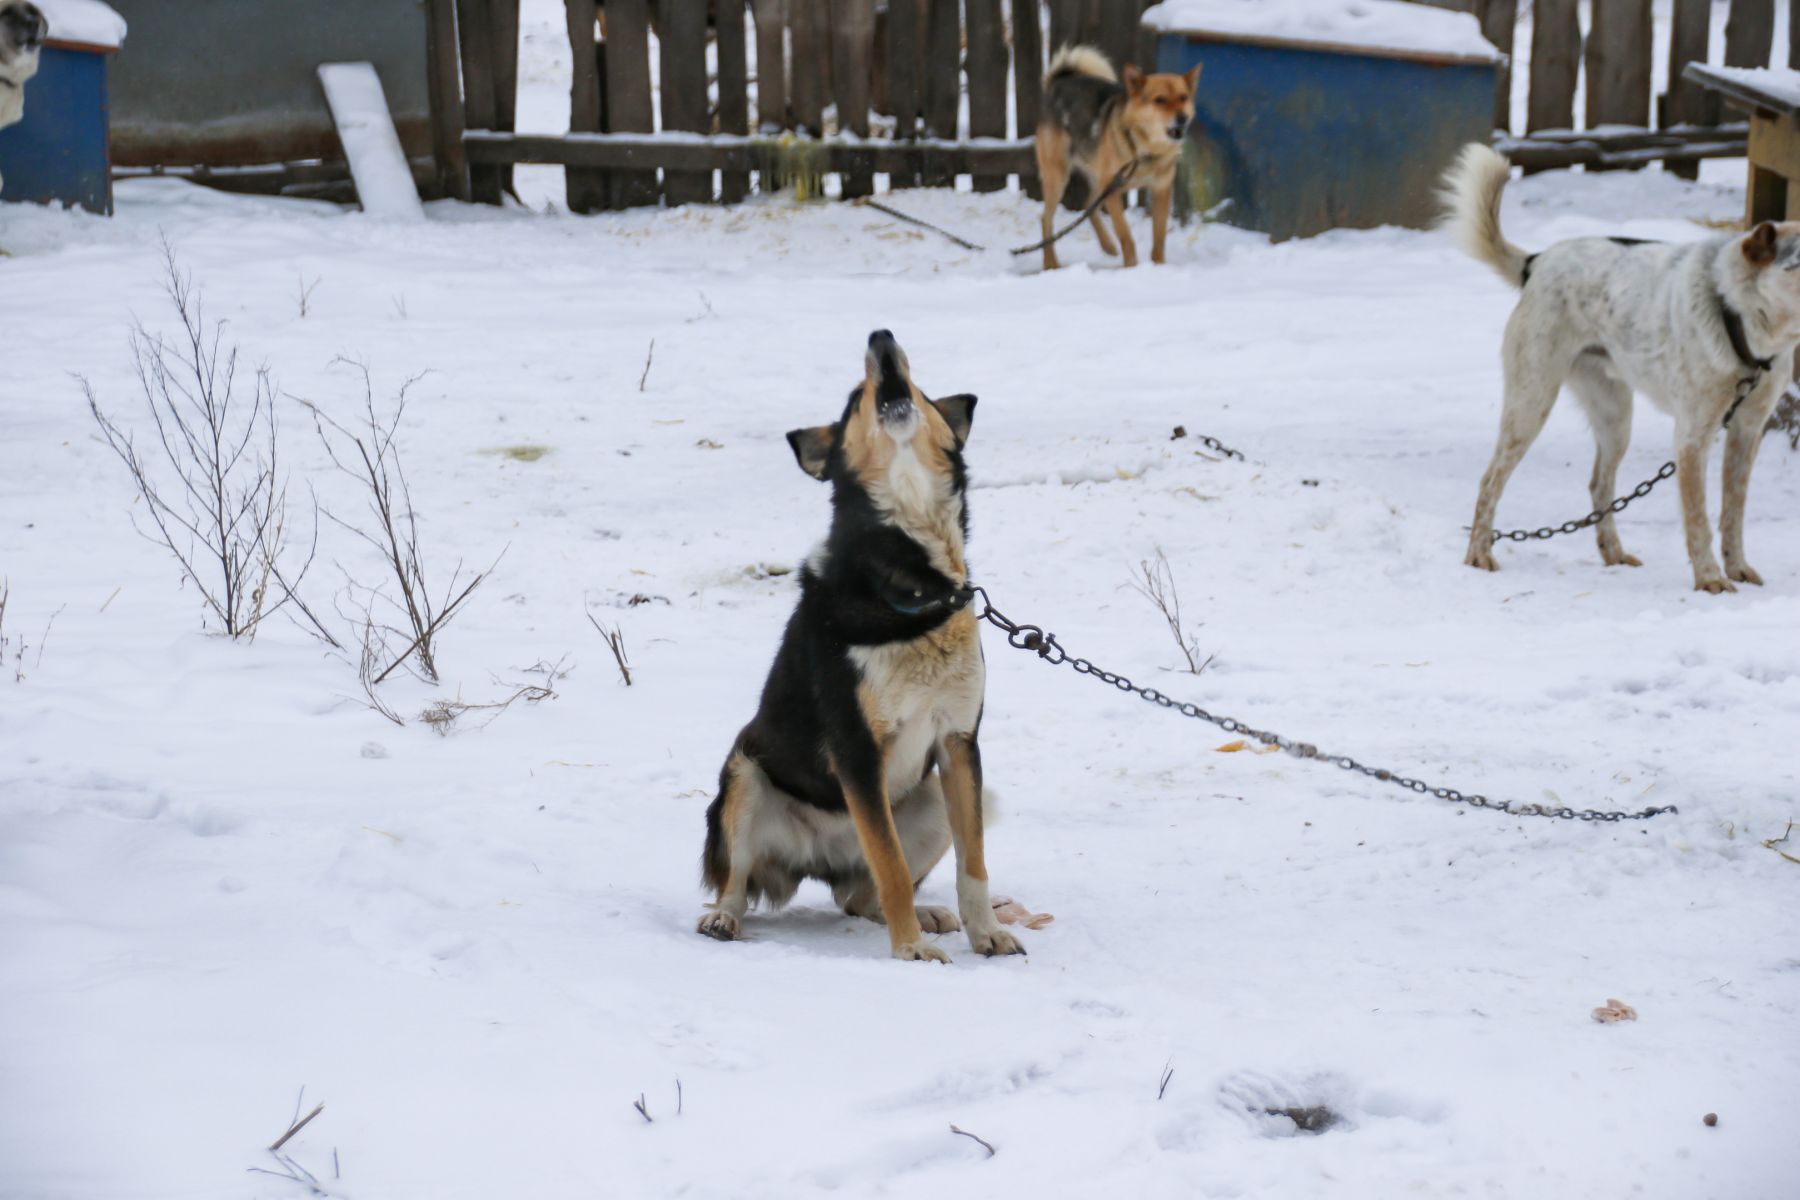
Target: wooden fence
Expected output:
[855,88]
[1679,127]
[846,87]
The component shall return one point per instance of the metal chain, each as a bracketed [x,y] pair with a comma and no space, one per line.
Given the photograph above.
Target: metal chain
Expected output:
[1046,646]
[1119,179]
[1745,386]
[1214,444]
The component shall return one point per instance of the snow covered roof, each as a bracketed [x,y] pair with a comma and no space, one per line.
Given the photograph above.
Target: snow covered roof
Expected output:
[1388,26]
[88,21]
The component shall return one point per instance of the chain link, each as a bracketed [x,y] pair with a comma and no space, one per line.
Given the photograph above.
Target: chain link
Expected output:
[1744,388]
[1046,646]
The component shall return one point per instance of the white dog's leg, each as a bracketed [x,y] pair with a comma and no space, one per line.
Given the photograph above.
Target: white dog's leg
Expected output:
[1531,387]
[1607,401]
[1742,440]
[1691,442]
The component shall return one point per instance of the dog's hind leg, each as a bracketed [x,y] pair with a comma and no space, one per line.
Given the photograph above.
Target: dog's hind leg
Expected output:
[1607,401]
[1107,245]
[726,862]
[924,837]
[1052,148]
[1742,440]
[1531,387]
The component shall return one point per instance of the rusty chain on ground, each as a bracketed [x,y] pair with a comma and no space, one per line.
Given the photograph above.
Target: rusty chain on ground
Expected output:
[1046,646]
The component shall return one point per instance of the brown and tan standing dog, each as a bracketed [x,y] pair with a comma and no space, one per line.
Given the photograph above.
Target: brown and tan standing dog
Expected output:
[1098,126]
[861,765]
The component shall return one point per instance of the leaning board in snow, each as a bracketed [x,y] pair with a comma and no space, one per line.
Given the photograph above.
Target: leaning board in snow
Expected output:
[384,182]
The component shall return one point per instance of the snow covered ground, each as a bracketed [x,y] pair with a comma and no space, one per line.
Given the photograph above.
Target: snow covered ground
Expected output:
[478,950]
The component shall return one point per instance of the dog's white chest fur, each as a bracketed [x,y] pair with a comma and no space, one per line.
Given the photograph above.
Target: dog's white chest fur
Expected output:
[922,691]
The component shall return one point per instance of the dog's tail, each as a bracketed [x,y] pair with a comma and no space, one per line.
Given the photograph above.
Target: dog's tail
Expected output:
[1471,196]
[1081,60]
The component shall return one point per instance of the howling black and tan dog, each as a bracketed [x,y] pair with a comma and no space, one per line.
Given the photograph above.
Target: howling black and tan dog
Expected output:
[1098,126]
[861,766]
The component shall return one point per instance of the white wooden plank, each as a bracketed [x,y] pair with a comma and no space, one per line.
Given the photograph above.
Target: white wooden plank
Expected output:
[384,182]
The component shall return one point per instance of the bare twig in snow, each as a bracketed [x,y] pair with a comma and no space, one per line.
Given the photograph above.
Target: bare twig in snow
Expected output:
[306,291]
[642,1110]
[708,313]
[45,637]
[297,1126]
[1168,1074]
[1155,581]
[648,357]
[985,1144]
[615,641]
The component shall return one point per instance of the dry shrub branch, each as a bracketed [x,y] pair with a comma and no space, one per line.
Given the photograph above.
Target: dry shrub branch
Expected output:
[1155,581]
[367,453]
[210,478]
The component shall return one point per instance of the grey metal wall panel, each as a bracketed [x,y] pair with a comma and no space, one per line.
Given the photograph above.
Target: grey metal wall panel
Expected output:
[225,82]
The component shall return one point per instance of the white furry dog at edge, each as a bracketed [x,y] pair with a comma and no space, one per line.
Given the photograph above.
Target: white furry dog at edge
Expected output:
[22,30]
[1703,329]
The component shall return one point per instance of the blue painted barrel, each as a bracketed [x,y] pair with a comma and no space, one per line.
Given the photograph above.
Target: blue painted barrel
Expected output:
[60,152]
[1295,138]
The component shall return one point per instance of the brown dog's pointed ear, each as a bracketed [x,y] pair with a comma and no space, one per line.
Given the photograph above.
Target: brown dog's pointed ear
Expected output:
[1759,244]
[1193,77]
[812,448]
[1134,79]
[958,413]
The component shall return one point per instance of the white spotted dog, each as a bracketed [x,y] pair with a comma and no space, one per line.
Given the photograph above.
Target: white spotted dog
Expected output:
[861,766]
[1703,329]
[22,31]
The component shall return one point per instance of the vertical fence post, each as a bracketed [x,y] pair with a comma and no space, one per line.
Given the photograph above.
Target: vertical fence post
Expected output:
[1555,64]
[584,190]
[853,74]
[628,103]
[1749,30]
[987,79]
[1686,103]
[806,73]
[682,46]
[1028,78]
[771,65]
[734,94]
[444,81]
[903,78]
[943,83]
[1499,22]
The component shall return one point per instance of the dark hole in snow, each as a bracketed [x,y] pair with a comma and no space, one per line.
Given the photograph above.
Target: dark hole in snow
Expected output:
[1316,1119]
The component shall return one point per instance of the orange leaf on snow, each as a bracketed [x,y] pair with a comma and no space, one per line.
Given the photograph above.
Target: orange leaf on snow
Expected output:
[1011,912]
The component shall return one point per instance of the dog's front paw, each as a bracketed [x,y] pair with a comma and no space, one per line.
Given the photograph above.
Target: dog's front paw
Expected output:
[1481,557]
[936,919]
[920,951]
[720,925]
[994,941]
[1712,581]
[1744,573]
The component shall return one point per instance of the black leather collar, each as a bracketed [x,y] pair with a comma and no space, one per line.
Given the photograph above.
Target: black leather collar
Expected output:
[1740,345]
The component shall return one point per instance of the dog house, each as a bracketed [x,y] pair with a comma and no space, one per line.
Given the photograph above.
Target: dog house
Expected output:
[1318,114]
[61,151]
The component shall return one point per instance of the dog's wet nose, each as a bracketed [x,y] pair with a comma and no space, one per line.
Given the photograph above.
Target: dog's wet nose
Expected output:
[1177,129]
[881,340]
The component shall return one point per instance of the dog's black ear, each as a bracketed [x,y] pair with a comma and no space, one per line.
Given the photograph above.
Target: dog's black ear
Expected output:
[812,448]
[1759,244]
[1134,79]
[958,413]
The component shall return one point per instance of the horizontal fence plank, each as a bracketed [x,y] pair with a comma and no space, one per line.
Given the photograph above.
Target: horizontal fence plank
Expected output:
[995,156]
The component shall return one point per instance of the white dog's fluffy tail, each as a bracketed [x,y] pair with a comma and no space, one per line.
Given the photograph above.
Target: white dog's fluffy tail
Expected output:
[1471,196]
[1081,60]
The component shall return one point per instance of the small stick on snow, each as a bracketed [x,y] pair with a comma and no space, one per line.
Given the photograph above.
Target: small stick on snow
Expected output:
[985,1144]
[111,598]
[647,359]
[615,641]
[1168,1074]
[678,1097]
[642,1111]
[39,661]
[296,1127]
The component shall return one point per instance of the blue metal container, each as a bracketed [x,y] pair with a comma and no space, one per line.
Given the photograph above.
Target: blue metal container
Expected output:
[60,151]
[1296,138]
